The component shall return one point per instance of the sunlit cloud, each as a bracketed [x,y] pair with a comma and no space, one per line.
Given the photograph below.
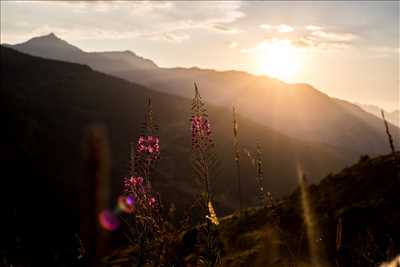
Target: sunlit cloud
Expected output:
[169,37]
[278,28]
[265,45]
[224,29]
[75,33]
[313,28]
[233,44]
[266,26]
[384,51]
[317,39]
[312,44]
[166,21]
[307,43]
[335,36]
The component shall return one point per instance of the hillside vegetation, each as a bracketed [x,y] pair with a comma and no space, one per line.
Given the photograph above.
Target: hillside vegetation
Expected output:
[364,197]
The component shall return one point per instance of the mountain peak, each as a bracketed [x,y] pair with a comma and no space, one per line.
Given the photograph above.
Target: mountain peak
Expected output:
[49,42]
[51,36]
[47,37]
[53,47]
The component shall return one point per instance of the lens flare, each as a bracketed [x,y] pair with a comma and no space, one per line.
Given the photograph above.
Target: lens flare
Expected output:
[108,220]
[309,221]
[126,203]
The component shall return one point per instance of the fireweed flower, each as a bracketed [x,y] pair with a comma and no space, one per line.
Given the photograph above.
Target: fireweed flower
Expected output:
[137,180]
[203,156]
[204,162]
[132,181]
[138,200]
[150,145]
[200,126]
[138,196]
[152,201]
[147,154]
[201,132]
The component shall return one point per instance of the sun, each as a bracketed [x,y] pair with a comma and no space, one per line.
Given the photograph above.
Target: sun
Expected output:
[280,59]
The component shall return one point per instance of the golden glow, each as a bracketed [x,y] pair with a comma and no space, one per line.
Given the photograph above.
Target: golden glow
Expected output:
[280,59]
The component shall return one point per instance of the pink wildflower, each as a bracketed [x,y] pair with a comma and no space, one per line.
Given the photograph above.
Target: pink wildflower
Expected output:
[200,126]
[129,182]
[152,201]
[148,144]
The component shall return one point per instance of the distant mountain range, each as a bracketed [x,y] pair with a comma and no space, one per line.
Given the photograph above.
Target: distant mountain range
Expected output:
[296,110]
[392,117]
[50,46]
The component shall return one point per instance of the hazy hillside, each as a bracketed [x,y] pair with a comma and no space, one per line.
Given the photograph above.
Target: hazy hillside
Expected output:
[393,117]
[298,110]
[368,217]
[369,222]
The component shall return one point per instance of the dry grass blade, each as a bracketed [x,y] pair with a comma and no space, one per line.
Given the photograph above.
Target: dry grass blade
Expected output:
[339,230]
[391,144]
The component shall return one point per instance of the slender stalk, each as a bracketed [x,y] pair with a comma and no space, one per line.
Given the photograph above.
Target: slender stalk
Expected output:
[257,164]
[237,156]
[391,144]
[260,174]
[203,161]
[150,125]
[201,143]
[339,231]
[147,150]
[132,159]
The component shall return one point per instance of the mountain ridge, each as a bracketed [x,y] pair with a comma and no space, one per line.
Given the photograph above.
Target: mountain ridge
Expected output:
[393,117]
[54,47]
[298,110]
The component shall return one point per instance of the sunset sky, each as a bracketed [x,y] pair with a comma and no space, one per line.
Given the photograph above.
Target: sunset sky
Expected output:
[348,50]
